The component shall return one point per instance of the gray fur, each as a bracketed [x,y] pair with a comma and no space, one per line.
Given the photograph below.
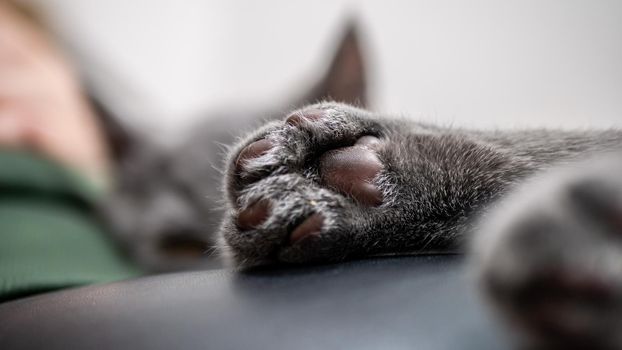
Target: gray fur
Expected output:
[167,204]
[434,179]
[441,186]
[560,232]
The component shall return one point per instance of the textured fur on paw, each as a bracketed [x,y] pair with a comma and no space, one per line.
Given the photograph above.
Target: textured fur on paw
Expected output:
[331,182]
[335,182]
[285,198]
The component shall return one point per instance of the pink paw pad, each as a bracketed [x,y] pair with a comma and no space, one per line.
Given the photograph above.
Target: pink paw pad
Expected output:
[301,118]
[312,226]
[254,215]
[252,151]
[351,170]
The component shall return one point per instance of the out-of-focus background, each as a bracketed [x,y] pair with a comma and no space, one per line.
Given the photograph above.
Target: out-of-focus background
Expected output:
[484,63]
[192,75]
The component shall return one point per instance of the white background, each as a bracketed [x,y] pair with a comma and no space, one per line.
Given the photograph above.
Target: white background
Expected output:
[487,63]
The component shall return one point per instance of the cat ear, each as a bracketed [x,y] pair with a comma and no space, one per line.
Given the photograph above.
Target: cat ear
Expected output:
[345,80]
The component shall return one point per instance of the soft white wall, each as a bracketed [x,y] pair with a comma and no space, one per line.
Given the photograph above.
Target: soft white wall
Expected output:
[475,63]
[491,62]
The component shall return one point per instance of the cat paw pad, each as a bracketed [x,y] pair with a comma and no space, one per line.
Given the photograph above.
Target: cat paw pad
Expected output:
[294,183]
[352,170]
[310,227]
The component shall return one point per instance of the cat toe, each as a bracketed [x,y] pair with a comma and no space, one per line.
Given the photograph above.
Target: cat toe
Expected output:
[300,118]
[254,215]
[248,157]
[253,151]
[310,227]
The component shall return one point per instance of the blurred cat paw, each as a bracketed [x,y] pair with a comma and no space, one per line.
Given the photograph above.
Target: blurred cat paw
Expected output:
[550,258]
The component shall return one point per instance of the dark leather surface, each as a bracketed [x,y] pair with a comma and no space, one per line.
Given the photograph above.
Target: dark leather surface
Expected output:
[420,302]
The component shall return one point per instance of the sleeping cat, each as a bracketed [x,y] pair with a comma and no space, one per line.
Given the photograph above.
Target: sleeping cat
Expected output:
[166,206]
[332,182]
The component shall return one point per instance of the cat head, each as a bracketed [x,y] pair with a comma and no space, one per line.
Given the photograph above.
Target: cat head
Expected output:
[166,207]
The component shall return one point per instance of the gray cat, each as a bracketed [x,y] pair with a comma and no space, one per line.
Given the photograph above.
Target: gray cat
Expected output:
[166,205]
[332,182]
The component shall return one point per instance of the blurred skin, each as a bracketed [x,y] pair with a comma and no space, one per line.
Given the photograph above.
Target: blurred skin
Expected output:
[41,104]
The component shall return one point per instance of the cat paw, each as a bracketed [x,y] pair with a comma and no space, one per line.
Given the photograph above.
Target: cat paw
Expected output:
[306,188]
[550,258]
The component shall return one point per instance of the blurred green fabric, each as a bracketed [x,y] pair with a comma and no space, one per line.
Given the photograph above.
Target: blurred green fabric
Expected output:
[50,237]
